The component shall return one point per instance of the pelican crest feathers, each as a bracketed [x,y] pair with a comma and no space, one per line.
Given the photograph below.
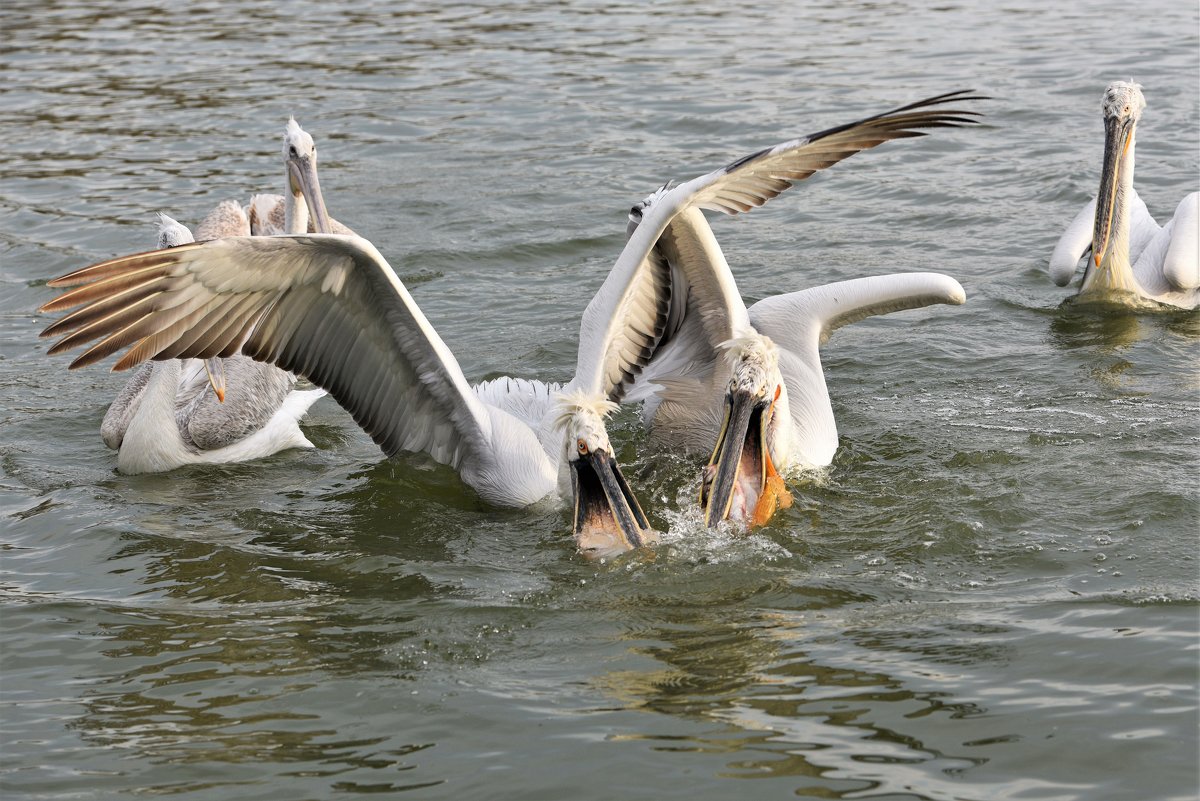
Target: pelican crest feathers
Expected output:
[571,405]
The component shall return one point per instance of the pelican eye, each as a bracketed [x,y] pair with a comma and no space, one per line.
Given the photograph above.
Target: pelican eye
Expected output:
[292,151]
[581,445]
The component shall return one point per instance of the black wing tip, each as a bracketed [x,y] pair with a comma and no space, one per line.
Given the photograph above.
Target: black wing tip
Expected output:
[746,159]
[958,95]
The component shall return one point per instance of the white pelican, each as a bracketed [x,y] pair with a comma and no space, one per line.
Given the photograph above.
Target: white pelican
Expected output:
[330,308]
[747,386]
[262,416]
[165,418]
[1132,257]
[301,208]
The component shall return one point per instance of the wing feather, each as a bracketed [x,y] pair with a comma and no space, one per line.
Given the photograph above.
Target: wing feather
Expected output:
[611,320]
[328,308]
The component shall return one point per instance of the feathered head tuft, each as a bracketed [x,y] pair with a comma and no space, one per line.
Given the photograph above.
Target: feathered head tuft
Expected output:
[581,419]
[1123,99]
[753,361]
[572,405]
[171,232]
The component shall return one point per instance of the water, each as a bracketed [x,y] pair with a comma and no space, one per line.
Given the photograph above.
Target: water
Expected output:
[990,595]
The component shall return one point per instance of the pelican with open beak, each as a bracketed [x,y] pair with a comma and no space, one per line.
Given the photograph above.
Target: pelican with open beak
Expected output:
[740,482]
[607,519]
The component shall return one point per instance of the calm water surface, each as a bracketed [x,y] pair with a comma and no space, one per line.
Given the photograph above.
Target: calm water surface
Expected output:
[991,594]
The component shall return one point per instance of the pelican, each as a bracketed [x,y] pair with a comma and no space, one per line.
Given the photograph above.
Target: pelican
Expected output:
[263,415]
[301,208]
[750,380]
[164,418]
[227,218]
[330,308]
[1133,258]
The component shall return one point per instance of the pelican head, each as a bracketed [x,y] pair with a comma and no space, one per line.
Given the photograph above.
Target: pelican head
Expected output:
[608,519]
[1123,105]
[740,482]
[172,233]
[300,156]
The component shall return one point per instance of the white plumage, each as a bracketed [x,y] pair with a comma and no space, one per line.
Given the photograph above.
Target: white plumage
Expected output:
[1132,257]
[717,351]
[330,308]
[165,417]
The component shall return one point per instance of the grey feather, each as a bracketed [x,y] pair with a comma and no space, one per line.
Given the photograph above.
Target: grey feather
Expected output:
[255,391]
[121,411]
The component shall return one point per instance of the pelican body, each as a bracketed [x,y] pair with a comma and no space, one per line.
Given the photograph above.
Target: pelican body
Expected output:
[746,385]
[1133,259]
[165,417]
[331,309]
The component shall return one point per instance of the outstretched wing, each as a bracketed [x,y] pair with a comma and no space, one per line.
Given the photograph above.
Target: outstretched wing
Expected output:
[802,321]
[624,323]
[326,307]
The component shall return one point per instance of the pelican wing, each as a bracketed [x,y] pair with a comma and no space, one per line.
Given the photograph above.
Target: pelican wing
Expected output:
[689,245]
[710,312]
[625,322]
[266,215]
[1181,266]
[326,307]
[1074,242]
[803,321]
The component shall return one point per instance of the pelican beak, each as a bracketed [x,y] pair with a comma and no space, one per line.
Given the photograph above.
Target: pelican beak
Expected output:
[216,377]
[740,481]
[1118,132]
[608,518]
[302,177]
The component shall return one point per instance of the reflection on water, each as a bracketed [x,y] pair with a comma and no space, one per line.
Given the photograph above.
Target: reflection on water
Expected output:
[790,710]
[1097,327]
[211,688]
[1108,328]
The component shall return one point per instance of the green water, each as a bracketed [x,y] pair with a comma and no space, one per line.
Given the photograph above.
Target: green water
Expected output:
[991,594]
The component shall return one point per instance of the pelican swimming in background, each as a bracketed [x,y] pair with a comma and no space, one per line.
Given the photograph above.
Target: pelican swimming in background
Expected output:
[1132,256]
[227,218]
[165,418]
[746,385]
[331,309]
[301,209]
